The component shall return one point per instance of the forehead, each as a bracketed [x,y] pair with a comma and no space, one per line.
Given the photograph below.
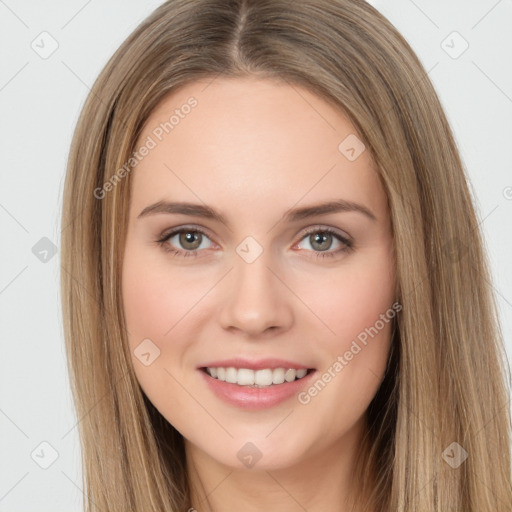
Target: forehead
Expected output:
[241,143]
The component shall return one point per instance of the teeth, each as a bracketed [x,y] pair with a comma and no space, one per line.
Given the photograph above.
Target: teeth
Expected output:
[221,373]
[290,375]
[263,377]
[245,377]
[256,378]
[278,376]
[231,375]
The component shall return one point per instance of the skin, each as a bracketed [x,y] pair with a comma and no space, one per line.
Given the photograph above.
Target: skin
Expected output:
[253,149]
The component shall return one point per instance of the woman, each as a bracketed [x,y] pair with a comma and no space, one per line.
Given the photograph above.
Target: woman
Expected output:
[275,293]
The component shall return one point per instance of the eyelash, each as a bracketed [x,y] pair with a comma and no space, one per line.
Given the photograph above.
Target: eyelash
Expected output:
[348,244]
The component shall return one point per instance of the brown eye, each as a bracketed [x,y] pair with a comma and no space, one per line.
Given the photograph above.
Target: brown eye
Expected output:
[190,239]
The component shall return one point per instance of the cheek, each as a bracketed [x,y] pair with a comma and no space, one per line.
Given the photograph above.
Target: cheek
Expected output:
[356,305]
[352,298]
[149,312]
[167,305]
[159,305]
[156,297]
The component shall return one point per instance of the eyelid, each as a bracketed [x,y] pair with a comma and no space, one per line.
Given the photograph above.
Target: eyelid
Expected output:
[167,233]
[323,227]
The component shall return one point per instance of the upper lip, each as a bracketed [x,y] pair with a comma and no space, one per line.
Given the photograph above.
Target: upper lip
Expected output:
[254,364]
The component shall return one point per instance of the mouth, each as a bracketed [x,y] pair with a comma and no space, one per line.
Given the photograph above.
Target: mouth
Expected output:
[261,378]
[255,384]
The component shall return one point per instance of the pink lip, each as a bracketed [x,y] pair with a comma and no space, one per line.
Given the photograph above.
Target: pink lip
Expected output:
[255,365]
[254,399]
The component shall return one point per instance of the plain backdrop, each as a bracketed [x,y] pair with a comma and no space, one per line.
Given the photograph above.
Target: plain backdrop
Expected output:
[466,46]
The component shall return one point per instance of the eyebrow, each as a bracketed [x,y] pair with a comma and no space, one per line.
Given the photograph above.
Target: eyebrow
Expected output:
[293,215]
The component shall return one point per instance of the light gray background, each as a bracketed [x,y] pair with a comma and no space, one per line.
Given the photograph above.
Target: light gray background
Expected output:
[40,99]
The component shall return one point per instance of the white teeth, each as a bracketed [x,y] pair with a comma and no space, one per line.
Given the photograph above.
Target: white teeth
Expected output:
[245,377]
[263,377]
[290,375]
[221,373]
[231,375]
[256,378]
[278,376]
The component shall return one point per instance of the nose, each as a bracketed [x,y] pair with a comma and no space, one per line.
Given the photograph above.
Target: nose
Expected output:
[257,302]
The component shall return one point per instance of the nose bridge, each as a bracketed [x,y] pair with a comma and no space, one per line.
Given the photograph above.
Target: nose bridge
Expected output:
[256,300]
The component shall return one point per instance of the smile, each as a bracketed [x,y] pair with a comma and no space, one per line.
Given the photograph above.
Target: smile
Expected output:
[262,378]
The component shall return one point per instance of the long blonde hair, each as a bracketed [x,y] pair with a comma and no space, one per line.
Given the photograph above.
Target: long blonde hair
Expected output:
[446,380]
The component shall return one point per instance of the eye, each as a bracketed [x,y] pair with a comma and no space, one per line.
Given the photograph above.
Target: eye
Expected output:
[188,241]
[321,239]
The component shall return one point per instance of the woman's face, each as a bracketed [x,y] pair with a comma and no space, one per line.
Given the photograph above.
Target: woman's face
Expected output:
[264,282]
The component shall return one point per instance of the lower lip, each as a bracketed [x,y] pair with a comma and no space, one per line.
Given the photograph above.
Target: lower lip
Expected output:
[254,399]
